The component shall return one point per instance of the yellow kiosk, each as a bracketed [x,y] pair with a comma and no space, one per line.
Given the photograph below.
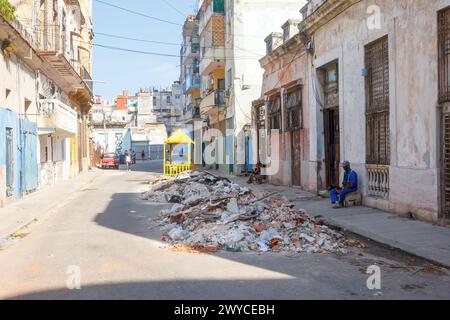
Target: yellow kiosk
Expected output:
[171,168]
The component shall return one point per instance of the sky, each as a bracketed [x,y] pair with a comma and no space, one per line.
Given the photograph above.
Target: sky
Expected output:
[128,70]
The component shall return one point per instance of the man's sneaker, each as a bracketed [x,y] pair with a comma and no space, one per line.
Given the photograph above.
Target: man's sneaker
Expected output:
[337,206]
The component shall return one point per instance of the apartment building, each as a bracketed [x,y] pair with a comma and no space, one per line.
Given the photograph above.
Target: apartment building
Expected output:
[46,82]
[232,37]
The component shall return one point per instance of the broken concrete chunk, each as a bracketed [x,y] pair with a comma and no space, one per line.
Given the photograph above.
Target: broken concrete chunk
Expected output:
[233,206]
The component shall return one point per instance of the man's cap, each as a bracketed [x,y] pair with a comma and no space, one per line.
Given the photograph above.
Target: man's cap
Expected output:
[345,163]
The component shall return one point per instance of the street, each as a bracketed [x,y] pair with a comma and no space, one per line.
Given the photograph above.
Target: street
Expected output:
[103,233]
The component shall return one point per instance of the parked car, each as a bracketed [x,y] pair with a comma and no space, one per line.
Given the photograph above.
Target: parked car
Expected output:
[110,160]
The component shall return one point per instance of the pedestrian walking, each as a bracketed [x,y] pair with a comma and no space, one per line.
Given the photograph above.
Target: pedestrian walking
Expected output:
[128,161]
[143,154]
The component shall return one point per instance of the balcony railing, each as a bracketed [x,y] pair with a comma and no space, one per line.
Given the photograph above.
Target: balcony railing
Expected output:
[219,98]
[51,38]
[378,181]
[87,78]
[193,81]
[54,114]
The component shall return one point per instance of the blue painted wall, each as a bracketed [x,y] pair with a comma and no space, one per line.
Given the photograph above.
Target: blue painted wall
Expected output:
[25,177]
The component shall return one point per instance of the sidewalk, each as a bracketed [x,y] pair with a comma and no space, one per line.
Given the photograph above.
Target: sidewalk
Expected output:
[418,238]
[39,204]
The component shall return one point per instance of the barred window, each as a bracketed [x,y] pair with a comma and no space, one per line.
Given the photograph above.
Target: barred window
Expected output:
[444,55]
[293,99]
[377,102]
[274,109]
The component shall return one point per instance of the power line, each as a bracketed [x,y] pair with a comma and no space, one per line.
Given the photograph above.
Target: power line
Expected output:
[136,51]
[175,8]
[138,13]
[134,39]
[160,54]
[166,21]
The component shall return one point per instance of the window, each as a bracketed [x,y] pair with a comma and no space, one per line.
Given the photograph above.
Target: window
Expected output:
[219,6]
[444,55]
[331,88]
[168,99]
[293,102]
[154,101]
[377,102]
[274,109]
[221,84]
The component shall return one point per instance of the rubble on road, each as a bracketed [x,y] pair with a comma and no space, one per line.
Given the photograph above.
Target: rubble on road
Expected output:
[212,213]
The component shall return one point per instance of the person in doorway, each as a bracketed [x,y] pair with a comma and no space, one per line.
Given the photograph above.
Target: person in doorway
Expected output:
[349,185]
[143,154]
[128,160]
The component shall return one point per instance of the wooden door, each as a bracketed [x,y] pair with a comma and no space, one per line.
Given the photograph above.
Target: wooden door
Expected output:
[296,157]
[332,146]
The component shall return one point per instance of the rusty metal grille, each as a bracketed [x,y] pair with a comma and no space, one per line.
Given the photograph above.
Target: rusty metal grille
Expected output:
[377,102]
[293,102]
[446,165]
[444,55]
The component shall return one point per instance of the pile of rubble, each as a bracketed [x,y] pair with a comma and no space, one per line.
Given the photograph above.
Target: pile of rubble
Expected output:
[212,213]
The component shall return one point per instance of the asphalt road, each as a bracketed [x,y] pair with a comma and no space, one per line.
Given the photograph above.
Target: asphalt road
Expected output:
[102,239]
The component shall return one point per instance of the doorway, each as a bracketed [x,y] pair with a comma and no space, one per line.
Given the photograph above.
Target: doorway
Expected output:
[296,158]
[331,125]
[9,162]
[332,146]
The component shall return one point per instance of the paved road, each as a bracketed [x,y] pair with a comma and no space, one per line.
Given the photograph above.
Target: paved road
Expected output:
[104,233]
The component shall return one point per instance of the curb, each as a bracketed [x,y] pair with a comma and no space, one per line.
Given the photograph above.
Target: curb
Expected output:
[383,241]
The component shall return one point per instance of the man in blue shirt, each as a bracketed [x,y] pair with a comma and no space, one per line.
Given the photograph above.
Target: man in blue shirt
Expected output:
[349,185]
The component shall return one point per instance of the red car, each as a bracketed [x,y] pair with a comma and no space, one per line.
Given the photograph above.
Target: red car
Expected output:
[110,160]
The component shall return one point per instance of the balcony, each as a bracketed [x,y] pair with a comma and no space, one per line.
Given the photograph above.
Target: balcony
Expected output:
[211,59]
[210,9]
[55,116]
[69,74]
[85,75]
[192,82]
[214,99]
[219,98]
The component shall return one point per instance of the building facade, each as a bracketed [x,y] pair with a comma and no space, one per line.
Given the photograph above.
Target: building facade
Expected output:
[231,42]
[376,100]
[46,81]
[280,115]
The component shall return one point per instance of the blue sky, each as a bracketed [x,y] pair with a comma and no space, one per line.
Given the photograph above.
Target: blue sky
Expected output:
[130,71]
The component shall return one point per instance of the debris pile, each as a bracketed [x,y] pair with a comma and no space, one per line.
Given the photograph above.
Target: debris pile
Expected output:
[212,213]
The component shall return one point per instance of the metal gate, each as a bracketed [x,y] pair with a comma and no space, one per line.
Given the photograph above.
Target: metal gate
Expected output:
[444,100]
[445,176]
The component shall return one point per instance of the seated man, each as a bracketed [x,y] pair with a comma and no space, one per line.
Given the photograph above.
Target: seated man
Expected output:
[255,175]
[349,185]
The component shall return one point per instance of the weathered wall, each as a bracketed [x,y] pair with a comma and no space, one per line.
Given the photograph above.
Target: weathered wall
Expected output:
[257,19]
[280,70]
[412,29]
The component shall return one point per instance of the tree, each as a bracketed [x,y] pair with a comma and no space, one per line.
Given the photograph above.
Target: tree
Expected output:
[7,10]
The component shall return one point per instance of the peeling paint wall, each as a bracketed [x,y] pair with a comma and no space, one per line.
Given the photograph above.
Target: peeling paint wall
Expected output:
[412,29]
